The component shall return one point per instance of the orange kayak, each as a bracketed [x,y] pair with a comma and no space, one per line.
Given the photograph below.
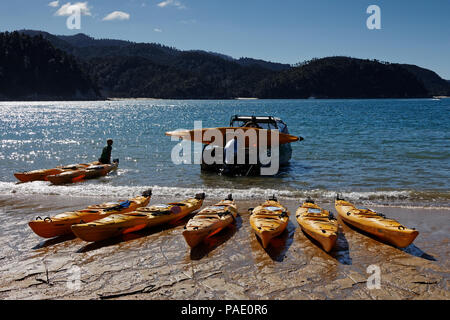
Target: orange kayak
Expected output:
[144,217]
[367,220]
[210,221]
[41,175]
[90,172]
[226,134]
[60,224]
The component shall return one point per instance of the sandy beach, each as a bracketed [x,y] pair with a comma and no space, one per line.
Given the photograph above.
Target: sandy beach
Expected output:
[157,263]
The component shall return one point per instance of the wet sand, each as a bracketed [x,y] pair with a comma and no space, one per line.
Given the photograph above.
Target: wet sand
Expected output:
[157,263]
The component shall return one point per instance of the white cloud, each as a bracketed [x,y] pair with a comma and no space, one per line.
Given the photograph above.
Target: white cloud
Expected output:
[157,30]
[174,3]
[117,15]
[54,4]
[68,9]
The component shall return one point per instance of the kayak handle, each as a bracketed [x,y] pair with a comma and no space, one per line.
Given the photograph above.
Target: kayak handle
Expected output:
[48,219]
[38,218]
[200,196]
[401,228]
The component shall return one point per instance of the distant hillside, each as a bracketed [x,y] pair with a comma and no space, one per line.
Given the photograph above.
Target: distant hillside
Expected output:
[263,64]
[84,47]
[192,75]
[32,69]
[127,69]
[432,82]
[343,77]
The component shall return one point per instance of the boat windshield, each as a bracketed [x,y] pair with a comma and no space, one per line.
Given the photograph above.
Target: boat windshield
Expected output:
[263,122]
[264,125]
[282,127]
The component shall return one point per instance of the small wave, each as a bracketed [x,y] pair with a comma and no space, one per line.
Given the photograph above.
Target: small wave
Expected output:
[392,198]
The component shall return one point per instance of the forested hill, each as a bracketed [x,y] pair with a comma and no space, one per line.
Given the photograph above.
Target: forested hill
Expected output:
[131,70]
[343,77]
[32,69]
[432,82]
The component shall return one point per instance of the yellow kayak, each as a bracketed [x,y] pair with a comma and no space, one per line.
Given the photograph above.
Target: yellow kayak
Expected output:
[210,221]
[318,224]
[269,220]
[144,217]
[367,220]
[60,224]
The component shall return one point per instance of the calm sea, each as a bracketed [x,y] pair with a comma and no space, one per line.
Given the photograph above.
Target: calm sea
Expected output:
[378,151]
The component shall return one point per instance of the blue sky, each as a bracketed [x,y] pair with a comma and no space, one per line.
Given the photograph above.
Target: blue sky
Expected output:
[288,31]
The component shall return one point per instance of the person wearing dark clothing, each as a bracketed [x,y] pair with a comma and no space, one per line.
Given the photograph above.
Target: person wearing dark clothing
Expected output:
[105,158]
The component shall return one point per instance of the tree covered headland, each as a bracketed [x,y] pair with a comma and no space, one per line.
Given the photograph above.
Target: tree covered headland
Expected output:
[38,65]
[31,68]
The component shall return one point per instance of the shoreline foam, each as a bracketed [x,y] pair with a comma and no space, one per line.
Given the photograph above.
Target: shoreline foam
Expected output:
[391,198]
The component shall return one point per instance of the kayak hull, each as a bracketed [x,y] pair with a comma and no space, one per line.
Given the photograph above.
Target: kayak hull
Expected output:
[209,221]
[41,175]
[387,230]
[109,227]
[144,217]
[37,175]
[269,220]
[317,224]
[61,224]
[82,174]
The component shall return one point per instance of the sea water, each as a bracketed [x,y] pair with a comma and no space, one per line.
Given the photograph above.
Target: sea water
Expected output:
[383,151]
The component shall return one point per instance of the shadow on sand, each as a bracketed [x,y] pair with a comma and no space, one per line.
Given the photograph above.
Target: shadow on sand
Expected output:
[209,244]
[411,249]
[417,252]
[54,241]
[340,252]
[278,246]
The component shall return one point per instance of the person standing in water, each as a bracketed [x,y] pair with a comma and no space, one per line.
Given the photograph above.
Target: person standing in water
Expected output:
[105,158]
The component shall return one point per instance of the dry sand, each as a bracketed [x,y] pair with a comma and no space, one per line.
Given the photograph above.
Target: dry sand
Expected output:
[157,263]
